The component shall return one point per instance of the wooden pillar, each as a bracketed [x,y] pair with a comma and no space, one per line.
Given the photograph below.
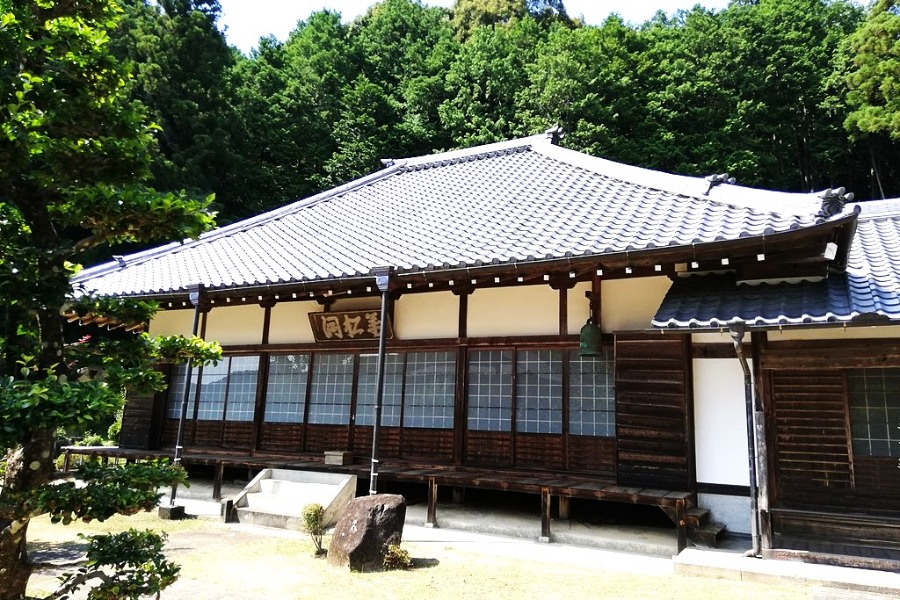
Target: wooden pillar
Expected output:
[763,411]
[67,461]
[545,515]
[564,507]
[459,495]
[217,480]
[431,518]
[681,524]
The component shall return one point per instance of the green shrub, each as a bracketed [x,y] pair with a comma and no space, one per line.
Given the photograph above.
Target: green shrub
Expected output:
[396,558]
[314,524]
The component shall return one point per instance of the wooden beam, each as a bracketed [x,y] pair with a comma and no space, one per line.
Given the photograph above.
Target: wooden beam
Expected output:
[830,354]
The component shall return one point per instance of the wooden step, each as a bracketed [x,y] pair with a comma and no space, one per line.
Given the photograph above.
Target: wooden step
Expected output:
[706,536]
[696,516]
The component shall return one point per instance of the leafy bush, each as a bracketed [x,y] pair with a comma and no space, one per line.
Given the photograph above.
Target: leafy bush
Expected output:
[314,524]
[122,566]
[396,558]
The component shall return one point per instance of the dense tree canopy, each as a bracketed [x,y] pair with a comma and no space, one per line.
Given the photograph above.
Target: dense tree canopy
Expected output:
[792,95]
[74,154]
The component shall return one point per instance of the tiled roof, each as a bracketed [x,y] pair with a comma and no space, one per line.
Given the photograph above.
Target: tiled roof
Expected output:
[514,202]
[868,291]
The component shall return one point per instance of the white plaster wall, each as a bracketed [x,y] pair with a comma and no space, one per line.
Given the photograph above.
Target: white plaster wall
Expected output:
[834,333]
[630,304]
[579,307]
[172,322]
[526,310]
[290,322]
[720,423]
[427,316]
[235,324]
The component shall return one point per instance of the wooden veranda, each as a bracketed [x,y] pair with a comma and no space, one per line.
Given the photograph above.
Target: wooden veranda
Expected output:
[679,506]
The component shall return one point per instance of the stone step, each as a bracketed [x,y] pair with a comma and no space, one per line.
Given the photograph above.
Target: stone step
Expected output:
[250,516]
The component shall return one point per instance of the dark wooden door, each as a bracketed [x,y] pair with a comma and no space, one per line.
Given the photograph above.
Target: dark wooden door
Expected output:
[653,411]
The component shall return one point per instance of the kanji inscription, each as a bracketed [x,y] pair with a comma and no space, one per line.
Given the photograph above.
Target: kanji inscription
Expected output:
[347,326]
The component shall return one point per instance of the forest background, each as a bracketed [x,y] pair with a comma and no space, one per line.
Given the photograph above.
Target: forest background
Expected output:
[794,95]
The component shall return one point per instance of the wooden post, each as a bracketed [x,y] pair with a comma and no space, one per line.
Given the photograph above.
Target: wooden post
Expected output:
[459,495]
[681,524]
[564,507]
[431,518]
[545,515]
[67,461]
[217,481]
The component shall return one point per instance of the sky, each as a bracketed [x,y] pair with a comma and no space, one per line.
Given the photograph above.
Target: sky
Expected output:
[245,21]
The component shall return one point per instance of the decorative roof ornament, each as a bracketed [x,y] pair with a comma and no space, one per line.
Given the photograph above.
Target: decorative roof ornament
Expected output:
[833,201]
[555,134]
[715,180]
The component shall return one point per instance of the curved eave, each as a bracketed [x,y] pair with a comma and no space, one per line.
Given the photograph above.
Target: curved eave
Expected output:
[782,245]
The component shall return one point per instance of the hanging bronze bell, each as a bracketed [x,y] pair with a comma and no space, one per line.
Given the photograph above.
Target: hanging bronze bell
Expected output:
[591,343]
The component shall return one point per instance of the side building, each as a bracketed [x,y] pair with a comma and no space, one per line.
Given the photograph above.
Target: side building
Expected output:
[500,263]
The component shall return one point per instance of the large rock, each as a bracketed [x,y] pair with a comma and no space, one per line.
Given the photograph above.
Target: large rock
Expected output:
[368,526]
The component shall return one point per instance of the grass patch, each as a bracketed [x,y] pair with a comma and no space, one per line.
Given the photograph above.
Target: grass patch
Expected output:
[227,561]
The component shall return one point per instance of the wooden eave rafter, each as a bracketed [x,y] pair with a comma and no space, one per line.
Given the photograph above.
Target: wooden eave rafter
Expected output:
[793,253]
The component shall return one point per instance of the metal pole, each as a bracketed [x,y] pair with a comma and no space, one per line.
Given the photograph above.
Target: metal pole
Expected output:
[179,438]
[383,282]
[737,334]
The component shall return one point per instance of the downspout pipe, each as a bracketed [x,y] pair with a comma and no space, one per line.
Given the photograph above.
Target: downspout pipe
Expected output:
[195,297]
[737,329]
[383,281]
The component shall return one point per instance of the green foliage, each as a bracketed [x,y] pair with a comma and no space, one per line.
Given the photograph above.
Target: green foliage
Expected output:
[102,491]
[874,74]
[75,154]
[180,63]
[286,100]
[313,522]
[45,401]
[484,77]
[134,559]
[396,558]
[127,311]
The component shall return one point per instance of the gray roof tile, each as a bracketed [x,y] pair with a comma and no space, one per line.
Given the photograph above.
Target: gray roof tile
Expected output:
[511,202]
[869,290]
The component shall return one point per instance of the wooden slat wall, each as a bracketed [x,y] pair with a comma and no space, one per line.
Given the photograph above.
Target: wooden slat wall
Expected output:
[170,433]
[137,423]
[539,450]
[388,441]
[488,448]
[596,455]
[238,435]
[428,444]
[281,437]
[208,433]
[811,455]
[324,438]
[653,401]
[879,477]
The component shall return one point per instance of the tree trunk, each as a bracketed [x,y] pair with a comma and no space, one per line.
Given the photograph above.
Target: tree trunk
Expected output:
[14,568]
[28,467]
